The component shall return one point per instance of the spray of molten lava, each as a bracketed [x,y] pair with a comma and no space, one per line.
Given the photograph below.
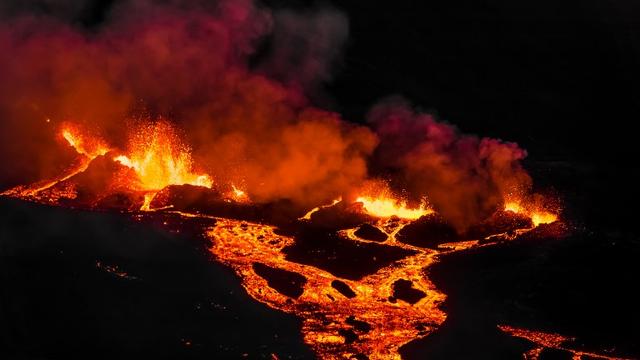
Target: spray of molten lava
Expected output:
[89,146]
[538,216]
[378,200]
[160,159]
[238,195]
[385,207]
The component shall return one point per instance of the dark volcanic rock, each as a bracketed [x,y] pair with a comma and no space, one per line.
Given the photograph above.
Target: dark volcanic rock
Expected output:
[97,186]
[99,177]
[358,325]
[541,282]
[185,197]
[61,303]
[344,258]
[343,288]
[285,282]
[404,290]
[370,232]
[212,202]
[120,201]
[428,231]
[349,335]
[499,222]
[340,216]
[554,354]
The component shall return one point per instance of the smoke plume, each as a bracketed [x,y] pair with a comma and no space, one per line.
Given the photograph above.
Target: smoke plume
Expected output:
[237,78]
[464,177]
[189,63]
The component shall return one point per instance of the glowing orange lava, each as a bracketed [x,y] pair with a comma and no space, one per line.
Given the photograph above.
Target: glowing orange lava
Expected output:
[89,146]
[538,216]
[385,207]
[307,216]
[325,310]
[545,340]
[238,195]
[160,159]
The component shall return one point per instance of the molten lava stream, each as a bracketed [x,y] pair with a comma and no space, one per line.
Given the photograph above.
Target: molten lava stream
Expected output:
[323,308]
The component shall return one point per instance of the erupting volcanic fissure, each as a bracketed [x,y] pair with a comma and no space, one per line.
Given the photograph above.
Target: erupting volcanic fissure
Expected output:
[160,159]
[336,222]
[345,315]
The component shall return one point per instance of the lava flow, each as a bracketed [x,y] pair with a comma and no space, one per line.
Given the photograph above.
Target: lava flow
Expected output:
[368,316]
[332,320]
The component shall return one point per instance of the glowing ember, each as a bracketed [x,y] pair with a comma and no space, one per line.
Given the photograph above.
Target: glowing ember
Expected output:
[160,159]
[238,195]
[385,207]
[115,270]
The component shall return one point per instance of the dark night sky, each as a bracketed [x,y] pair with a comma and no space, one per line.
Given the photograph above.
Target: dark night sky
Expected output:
[557,77]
